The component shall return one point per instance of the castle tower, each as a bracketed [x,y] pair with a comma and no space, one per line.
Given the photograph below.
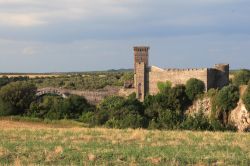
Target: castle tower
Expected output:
[222,75]
[140,67]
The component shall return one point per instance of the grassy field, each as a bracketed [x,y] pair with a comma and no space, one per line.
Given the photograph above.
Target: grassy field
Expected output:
[24,143]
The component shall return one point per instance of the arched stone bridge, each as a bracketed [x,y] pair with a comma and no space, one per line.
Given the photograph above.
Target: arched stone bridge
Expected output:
[93,97]
[45,91]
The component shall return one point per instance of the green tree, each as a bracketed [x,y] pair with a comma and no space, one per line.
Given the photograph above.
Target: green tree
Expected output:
[49,107]
[169,119]
[194,87]
[242,77]
[75,106]
[19,95]
[174,99]
[112,103]
[246,98]
[196,122]
[164,86]
[7,109]
[226,100]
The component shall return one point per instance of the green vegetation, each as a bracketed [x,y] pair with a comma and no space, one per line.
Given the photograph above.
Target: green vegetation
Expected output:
[194,87]
[5,80]
[38,137]
[53,107]
[26,143]
[241,77]
[164,86]
[246,97]
[118,112]
[16,97]
[86,81]
[166,110]
[226,100]
[228,97]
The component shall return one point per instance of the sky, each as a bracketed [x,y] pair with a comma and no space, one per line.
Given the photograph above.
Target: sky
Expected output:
[87,35]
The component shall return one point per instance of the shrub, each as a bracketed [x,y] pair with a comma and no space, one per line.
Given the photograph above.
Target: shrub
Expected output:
[19,95]
[246,98]
[88,117]
[101,117]
[164,86]
[194,87]
[132,121]
[119,112]
[75,106]
[5,80]
[175,99]
[7,109]
[49,107]
[55,107]
[227,98]
[242,77]
[161,118]
[168,119]
[112,103]
[112,123]
[196,122]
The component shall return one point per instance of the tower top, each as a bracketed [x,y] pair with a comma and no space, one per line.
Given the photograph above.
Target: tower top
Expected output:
[141,48]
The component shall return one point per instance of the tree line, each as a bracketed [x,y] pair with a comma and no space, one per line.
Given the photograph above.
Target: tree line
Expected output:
[166,110]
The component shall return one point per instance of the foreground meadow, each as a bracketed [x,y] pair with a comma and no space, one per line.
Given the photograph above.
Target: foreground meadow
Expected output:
[25,143]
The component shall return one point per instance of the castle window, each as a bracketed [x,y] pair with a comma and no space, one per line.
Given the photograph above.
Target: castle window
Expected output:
[139,89]
[140,57]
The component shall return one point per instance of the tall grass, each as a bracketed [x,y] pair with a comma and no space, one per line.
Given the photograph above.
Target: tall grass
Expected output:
[84,146]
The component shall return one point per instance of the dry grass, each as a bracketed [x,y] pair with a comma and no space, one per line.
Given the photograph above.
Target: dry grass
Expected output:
[39,143]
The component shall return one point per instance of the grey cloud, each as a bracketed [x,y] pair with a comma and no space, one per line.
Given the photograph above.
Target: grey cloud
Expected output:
[67,35]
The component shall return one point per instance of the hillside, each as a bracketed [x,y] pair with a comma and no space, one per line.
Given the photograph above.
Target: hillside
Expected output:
[40,143]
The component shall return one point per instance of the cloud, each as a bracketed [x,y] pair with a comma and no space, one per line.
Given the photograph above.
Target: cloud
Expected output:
[20,20]
[66,35]
[29,51]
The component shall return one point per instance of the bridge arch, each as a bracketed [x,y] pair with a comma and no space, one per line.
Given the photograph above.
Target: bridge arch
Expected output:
[55,91]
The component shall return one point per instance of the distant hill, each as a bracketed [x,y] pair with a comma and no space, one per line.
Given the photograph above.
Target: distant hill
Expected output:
[120,70]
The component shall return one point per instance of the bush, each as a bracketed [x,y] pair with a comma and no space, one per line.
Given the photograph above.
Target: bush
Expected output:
[194,87]
[131,120]
[101,117]
[18,95]
[6,80]
[168,119]
[174,99]
[55,107]
[119,112]
[246,98]
[75,106]
[88,117]
[112,103]
[50,107]
[242,77]
[226,100]
[164,86]
[196,122]
[7,109]
[160,118]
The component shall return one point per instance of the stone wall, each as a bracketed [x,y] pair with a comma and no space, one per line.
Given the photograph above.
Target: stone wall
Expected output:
[175,76]
[94,96]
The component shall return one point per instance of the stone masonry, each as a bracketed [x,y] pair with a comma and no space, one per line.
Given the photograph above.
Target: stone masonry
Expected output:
[146,77]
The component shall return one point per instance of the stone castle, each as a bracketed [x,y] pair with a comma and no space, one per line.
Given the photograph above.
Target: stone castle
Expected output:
[146,77]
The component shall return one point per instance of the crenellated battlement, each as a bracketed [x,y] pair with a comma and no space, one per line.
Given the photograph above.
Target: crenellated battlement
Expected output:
[185,70]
